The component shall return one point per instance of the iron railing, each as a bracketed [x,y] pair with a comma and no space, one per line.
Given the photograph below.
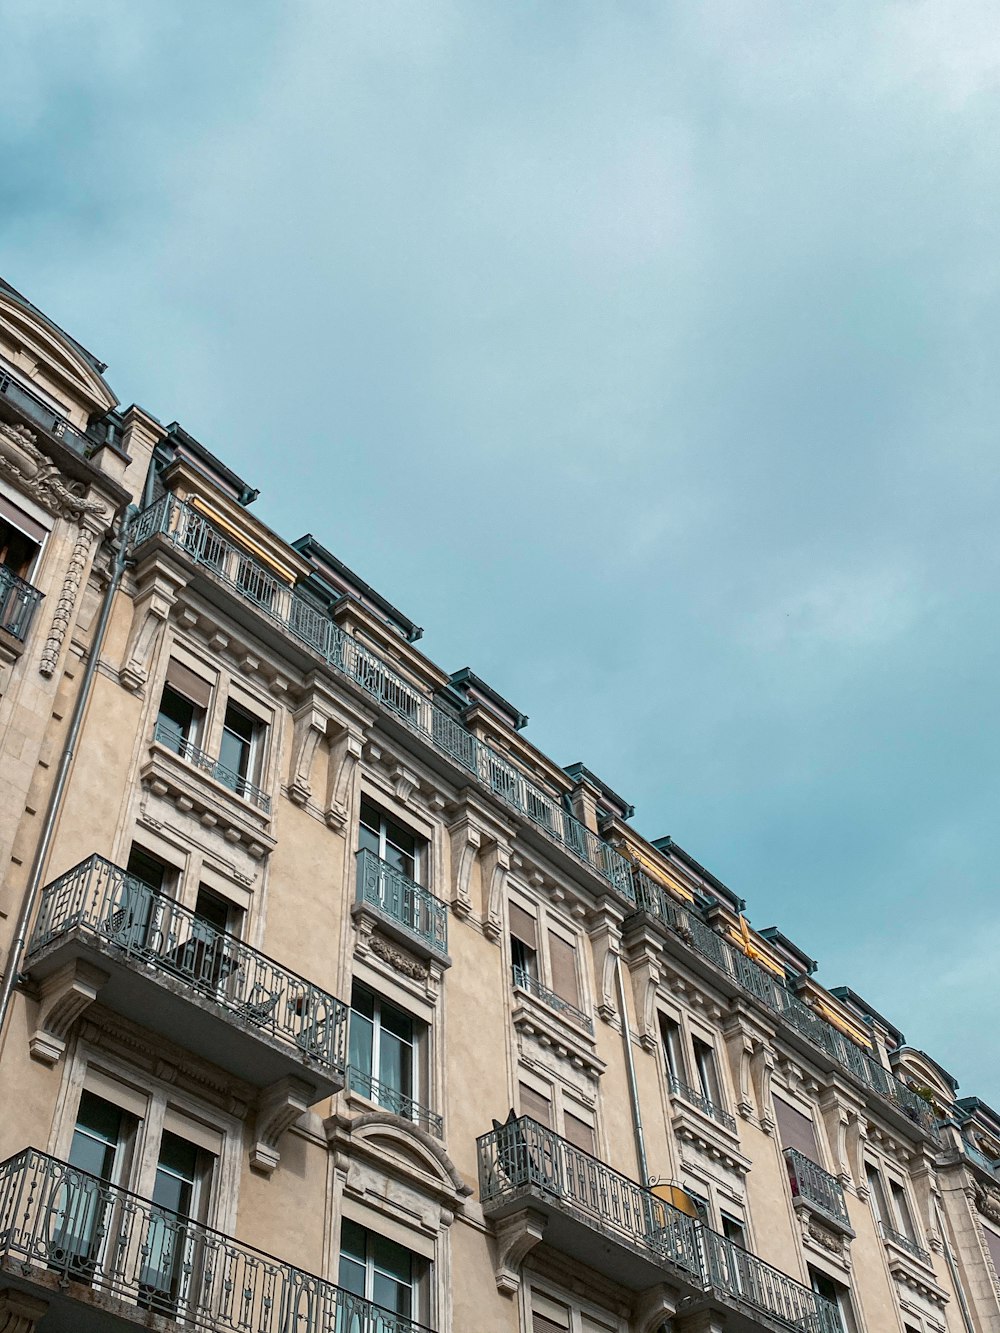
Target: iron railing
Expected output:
[18,600]
[399,898]
[168,737]
[654,899]
[743,1279]
[391,1099]
[524,1155]
[816,1187]
[81,1229]
[33,405]
[777,997]
[976,1155]
[704,1103]
[525,981]
[130,919]
[187,530]
[904,1242]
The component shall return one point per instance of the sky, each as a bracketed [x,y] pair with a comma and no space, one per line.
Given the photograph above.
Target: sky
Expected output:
[644,353]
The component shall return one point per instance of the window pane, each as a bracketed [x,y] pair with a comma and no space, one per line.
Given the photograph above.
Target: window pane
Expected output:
[352,1275]
[395,1296]
[369,840]
[353,1239]
[97,1133]
[361,1041]
[395,1064]
[397,1022]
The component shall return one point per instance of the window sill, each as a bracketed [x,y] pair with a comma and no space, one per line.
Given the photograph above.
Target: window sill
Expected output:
[548,1028]
[167,775]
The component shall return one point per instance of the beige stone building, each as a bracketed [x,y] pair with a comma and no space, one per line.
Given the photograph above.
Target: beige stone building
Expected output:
[332,1005]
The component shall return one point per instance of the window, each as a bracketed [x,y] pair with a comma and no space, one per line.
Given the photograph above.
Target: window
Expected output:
[550,1316]
[18,549]
[390,841]
[180,1192]
[839,1297]
[562,969]
[183,705]
[902,1210]
[240,748]
[890,1206]
[523,944]
[543,961]
[380,1270]
[535,1104]
[795,1130]
[673,1048]
[708,1073]
[734,1230]
[386,1049]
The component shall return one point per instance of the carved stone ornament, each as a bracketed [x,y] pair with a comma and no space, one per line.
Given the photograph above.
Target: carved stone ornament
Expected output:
[398,959]
[38,476]
[987,1201]
[19,1312]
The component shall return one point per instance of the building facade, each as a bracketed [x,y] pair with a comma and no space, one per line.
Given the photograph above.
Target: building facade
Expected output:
[332,1005]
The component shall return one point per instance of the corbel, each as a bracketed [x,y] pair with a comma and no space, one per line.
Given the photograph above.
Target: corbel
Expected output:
[466,840]
[404,782]
[840,1111]
[514,1237]
[345,752]
[641,950]
[496,859]
[159,582]
[605,935]
[309,727]
[278,1108]
[64,995]
[20,1312]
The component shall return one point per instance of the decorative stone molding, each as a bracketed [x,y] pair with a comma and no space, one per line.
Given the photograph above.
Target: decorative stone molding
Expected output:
[496,863]
[543,1033]
[642,953]
[309,725]
[196,793]
[64,995]
[653,1310]
[466,840]
[90,527]
[278,1108]
[37,476]
[987,1200]
[604,930]
[159,581]
[19,1312]
[844,1117]
[346,747]
[708,1138]
[751,1059]
[406,964]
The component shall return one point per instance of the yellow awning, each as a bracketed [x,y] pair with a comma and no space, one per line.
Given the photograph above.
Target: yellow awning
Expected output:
[741,938]
[282,571]
[678,1198]
[844,1025]
[656,873]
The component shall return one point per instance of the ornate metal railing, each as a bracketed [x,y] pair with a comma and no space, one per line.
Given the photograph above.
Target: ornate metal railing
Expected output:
[522,1154]
[33,405]
[904,1242]
[525,981]
[129,918]
[72,1225]
[191,754]
[704,1104]
[777,997]
[816,1187]
[391,1099]
[18,600]
[653,898]
[402,900]
[190,532]
[740,1276]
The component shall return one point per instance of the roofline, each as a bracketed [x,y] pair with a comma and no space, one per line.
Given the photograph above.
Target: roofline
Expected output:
[466,674]
[777,936]
[843,993]
[307,544]
[247,493]
[94,362]
[579,770]
[667,844]
[950,1079]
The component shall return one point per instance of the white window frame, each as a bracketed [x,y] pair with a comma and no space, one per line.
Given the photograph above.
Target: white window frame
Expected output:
[547,920]
[576,1305]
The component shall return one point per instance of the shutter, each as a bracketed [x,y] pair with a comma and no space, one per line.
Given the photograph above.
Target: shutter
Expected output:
[547,1315]
[184,681]
[193,1131]
[562,961]
[119,1094]
[589,1325]
[536,1106]
[795,1130]
[28,525]
[993,1245]
[542,1324]
[579,1133]
[522,924]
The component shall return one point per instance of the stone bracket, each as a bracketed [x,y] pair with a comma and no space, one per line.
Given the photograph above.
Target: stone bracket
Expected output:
[19,1312]
[278,1108]
[514,1238]
[64,996]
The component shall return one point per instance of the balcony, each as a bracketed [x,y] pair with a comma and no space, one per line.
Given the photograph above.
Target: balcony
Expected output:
[694,1097]
[106,1259]
[205,989]
[167,737]
[905,1243]
[18,601]
[534,1183]
[525,981]
[404,908]
[816,1189]
[757,982]
[391,1099]
[224,563]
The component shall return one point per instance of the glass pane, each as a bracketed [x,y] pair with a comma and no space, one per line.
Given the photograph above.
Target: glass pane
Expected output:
[234,753]
[395,1064]
[397,1022]
[97,1134]
[369,840]
[395,1296]
[352,1275]
[361,1036]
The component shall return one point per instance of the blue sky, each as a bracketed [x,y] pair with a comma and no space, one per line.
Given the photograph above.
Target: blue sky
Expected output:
[644,353]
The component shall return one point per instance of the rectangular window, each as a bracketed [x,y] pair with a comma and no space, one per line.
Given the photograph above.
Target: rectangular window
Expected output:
[708,1073]
[139,906]
[390,841]
[18,550]
[562,966]
[839,1297]
[183,705]
[523,942]
[673,1048]
[535,1104]
[240,748]
[181,1191]
[102,1147]
[379,1269]
[795,1130]
[385,1052]
[903,1215]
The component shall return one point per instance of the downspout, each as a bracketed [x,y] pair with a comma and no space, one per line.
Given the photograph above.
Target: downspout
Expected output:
[31,893]
[955,1282]
[633,1087]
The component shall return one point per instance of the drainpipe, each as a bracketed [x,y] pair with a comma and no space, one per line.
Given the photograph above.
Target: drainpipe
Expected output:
[633,1087]
[955,1282]
[30,900]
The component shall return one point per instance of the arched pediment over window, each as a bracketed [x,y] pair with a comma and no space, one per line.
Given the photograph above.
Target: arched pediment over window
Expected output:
[925,1076]
[389,1146]
[47,358]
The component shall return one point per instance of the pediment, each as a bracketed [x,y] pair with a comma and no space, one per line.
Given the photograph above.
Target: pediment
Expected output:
[45,355]
[401,1150]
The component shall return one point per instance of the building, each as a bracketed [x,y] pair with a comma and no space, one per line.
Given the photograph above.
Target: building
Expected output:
[332,1005]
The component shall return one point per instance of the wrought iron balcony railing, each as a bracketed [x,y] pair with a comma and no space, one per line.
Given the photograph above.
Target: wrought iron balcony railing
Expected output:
[523,1155]
[129,919]
[56,1219]
[167,736]
[391,1099]
[28,401]
[904,1242]
[769,991]
[18,600]
[816,1187]
[704,1104]
[654,899]
[188,531]
[976,1155]
[401,900]
[525,981]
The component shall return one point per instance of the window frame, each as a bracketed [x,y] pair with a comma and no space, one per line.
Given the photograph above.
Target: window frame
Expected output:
[421,842]
[420,1054]
[539,962]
